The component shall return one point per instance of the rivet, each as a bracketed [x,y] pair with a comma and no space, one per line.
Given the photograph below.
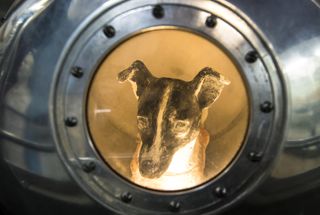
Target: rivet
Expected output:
[220,191]
[2,20]
[158,12]
[24,184]
[211,21]
[88,166]
[71,121]
[255,156]
[109,31]
[175,206]
[266,107]
[126,197]
[77,72]
[251,57]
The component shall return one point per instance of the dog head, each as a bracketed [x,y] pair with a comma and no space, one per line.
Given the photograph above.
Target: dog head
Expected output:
[169,112]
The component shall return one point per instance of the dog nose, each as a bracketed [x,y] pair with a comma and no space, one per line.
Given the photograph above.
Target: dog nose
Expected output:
[147,164]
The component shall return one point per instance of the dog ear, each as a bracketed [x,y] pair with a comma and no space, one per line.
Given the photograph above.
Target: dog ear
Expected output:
[207,86]
[138,75]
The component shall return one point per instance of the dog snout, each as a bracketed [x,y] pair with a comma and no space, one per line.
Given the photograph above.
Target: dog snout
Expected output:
[147,164]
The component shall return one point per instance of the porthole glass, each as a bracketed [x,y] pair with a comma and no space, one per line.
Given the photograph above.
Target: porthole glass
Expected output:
[168,110]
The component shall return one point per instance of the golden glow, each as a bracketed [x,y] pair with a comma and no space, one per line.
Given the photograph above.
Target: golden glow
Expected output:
[112,107]
[182,172]
[181,163]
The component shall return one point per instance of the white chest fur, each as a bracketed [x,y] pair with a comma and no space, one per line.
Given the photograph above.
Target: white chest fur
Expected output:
[182,160]
[183,171]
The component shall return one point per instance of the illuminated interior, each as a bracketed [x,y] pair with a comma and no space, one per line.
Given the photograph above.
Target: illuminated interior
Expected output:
[113,118]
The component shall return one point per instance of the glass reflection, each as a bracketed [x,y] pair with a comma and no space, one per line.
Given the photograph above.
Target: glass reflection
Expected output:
[116,114]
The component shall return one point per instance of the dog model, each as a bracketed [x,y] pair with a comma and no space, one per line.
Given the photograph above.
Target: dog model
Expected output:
[171,136]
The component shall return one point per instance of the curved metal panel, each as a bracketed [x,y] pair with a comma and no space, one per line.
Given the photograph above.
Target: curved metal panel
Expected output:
[294,32]
[33,38]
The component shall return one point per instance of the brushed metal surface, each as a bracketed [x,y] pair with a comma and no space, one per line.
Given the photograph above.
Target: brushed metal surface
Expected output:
[33,38]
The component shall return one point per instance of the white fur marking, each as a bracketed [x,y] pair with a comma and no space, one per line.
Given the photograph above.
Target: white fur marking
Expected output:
[155,150]
[180,162]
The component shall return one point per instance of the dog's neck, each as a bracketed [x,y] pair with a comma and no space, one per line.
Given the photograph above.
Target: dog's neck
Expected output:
[182,159]
[185,170]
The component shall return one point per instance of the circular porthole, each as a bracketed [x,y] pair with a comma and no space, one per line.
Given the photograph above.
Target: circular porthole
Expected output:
[113,111]
[171,107]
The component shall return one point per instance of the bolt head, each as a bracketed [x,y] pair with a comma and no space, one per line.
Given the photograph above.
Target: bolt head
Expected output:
[175,206]
[2,20]
[24,184]
[88,166]
[266,107]
[158,12]
[109,31]
[251,56]
[77,72]
[221,192]
[126,197]
[71,121]
[211,21]
[255,156]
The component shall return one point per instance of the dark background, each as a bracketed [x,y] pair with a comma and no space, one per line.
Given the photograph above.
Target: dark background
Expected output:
[4,6]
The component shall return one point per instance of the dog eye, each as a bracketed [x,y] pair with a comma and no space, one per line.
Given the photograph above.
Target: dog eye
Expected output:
[143,122]
[181,124]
